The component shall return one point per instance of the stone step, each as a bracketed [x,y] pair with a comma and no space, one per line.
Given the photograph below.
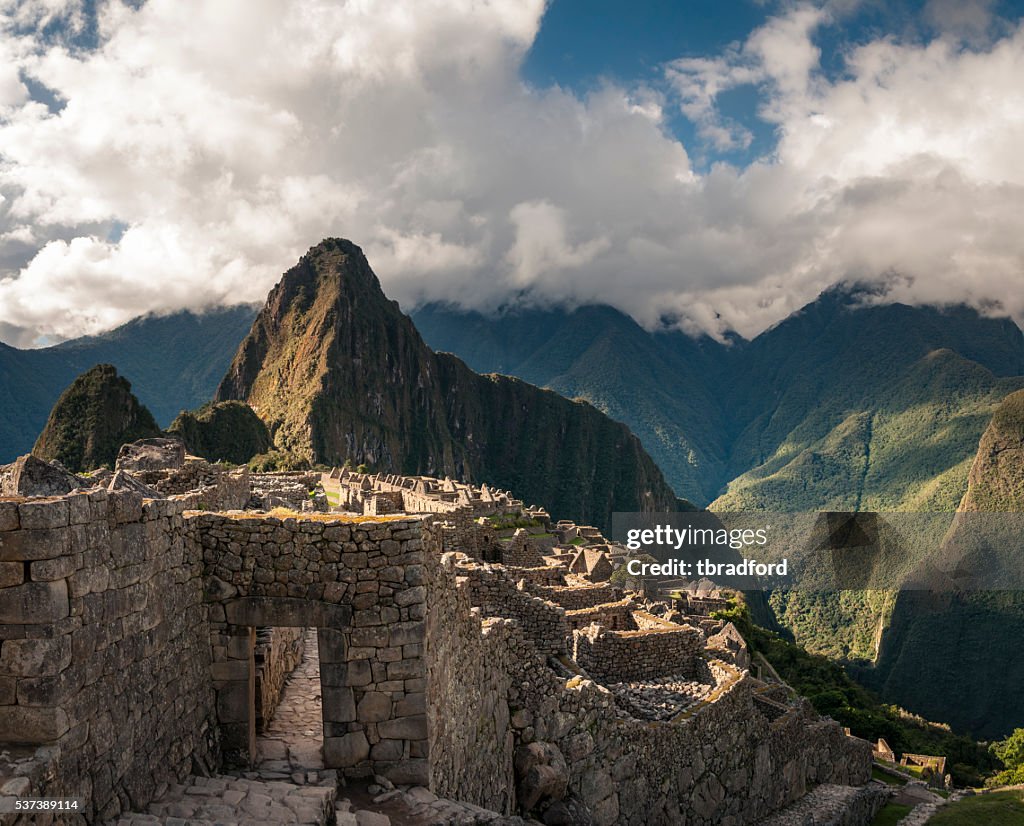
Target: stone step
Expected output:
[234,801]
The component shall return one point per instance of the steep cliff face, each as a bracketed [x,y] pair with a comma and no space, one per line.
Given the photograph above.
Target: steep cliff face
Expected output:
[996,481]
[337,372]
[92,419]
[937,637]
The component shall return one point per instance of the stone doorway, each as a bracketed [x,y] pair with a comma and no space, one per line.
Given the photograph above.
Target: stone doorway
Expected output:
[290,731]
[314,707]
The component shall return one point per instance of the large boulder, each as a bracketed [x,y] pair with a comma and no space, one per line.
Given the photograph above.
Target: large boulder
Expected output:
[151,454]
[30,476]
[542,775]
[122,481]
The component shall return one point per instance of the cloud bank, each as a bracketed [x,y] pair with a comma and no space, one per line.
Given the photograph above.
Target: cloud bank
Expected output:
[199,148]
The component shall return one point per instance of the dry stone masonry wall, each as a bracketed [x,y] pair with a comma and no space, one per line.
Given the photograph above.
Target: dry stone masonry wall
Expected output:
[105,654]
[128,660]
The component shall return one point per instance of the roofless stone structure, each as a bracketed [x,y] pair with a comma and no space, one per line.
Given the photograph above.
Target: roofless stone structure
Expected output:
[128,639]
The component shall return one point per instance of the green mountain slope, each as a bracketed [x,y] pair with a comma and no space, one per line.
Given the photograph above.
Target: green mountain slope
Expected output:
[338,372]
[657,384]
[902,444]
[953,651]
[92,419]
[174,363]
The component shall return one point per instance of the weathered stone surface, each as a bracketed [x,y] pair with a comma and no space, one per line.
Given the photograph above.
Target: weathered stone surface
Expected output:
[124,481]
[29,476]
[34,603]
[22,724]
[11,573]
[151,454]
[35,658]
[346,751]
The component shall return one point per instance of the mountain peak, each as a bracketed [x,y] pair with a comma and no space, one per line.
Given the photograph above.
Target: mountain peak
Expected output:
[337,371]
[93,417]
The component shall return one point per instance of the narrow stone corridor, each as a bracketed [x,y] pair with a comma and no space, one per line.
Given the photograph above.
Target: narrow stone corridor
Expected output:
[291,746]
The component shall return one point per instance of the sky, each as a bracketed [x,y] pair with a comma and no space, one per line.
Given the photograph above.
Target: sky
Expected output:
[702,164]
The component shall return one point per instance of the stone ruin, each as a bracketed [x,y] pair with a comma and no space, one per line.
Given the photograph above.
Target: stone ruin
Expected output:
[460,654]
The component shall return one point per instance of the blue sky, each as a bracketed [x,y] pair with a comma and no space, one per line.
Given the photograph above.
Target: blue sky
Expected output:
[583,43]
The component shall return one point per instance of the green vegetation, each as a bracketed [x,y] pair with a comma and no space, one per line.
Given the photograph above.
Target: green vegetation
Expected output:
[92,419]
[891,814]
[222,431]
[993,809]
[623,579]
[173,362]
[834,693]
[504,521]
[1011,752]
[275,461]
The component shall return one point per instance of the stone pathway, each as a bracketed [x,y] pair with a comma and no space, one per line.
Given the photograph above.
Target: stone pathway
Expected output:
[289,784]
[236,800]
[291,746]
[833,805]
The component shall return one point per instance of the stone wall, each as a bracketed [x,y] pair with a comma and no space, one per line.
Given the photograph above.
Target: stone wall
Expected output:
[105,654]
[206,486]
[471,741]
[541,575]
[491,590]
[618,616]
[520,551]
[277,652]
[724,761]
[623,656]
[576,597]
[361,584]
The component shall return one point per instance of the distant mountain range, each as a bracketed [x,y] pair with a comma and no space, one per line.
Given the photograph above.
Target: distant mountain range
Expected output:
[845,405]
[841,405]
[173,362]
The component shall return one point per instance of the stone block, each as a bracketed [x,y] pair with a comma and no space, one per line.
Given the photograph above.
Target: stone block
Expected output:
[387,750]
[409,772]
[407,633]
[405,670]
[233,701]
[404,728]
[35,658]
[48,692]
[43,515]
[31,545]
[230,670]
[34,603]
[339,704]
[11,573]
[373,707]
[331,645]
[411,704]
[8,691]
[347,751]
[8,516]
[22,724]
[47,570]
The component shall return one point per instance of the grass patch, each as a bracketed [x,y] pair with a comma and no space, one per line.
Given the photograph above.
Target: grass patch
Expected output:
[891,814]
[995,809]
[885,777]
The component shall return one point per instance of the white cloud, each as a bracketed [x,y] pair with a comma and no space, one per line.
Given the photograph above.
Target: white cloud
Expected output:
[228,137]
